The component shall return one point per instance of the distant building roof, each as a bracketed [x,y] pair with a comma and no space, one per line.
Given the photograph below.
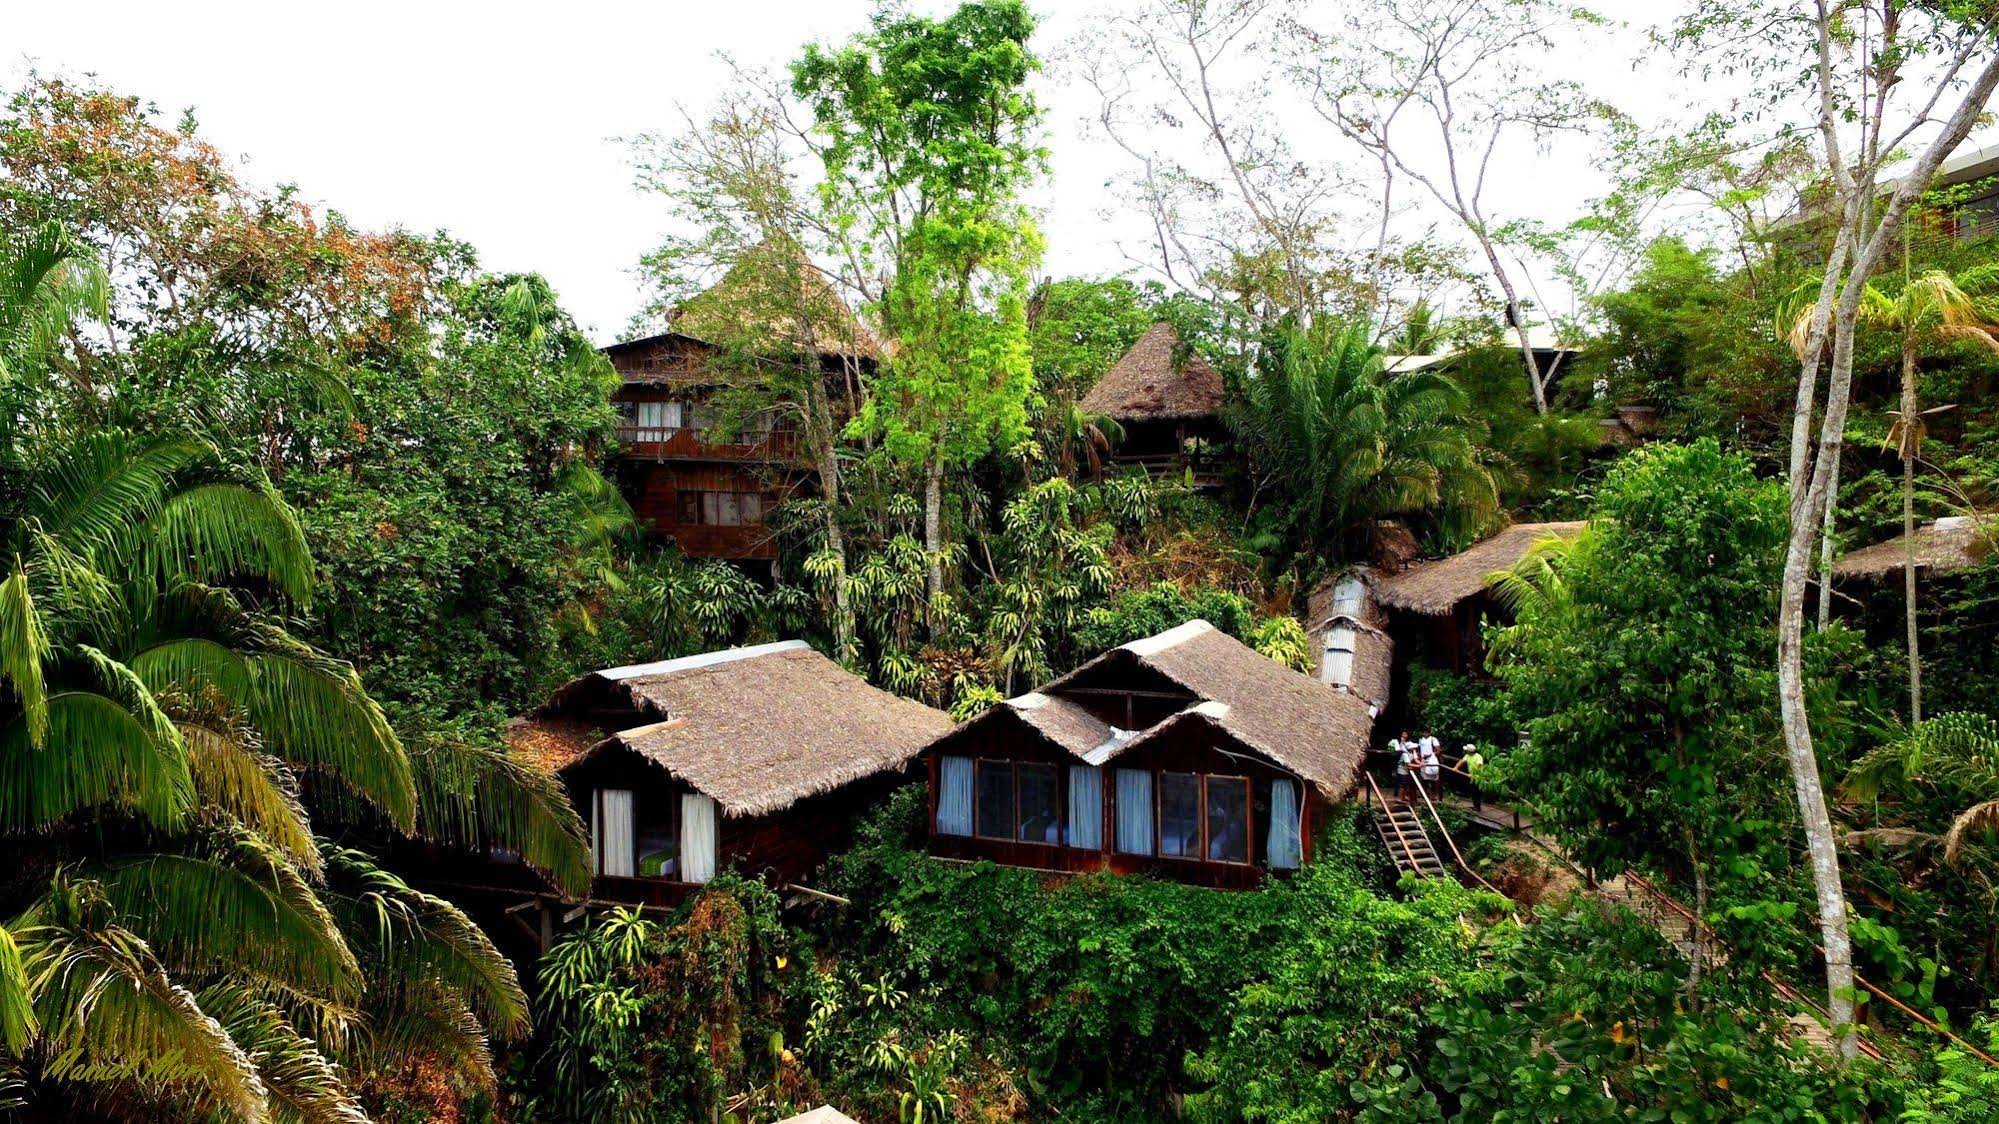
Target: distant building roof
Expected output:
[824,1114]
[1954,543]
[1541,338]
[1145,385]
[1437,587]
[754,308]
[756,728]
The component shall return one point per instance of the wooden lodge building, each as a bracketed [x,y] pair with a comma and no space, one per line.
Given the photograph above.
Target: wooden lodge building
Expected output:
[706,490]
[1169,406]
[1186,755]
[754,759]
[1370,623]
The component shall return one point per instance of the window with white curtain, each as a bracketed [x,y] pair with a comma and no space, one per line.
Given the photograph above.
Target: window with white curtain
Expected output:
[1086,807]
[1134,812]
[1337,665]
[697,837]
[1285,848]
[612,832]
[954,796]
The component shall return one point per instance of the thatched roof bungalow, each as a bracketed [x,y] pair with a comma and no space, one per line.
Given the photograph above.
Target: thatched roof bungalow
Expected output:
[755,758]
[1166,402]
[1185,754]
[1958,542]
[1436,609]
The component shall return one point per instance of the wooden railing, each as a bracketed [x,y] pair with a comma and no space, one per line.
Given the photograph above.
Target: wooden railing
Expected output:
[1444,831]
[665,442]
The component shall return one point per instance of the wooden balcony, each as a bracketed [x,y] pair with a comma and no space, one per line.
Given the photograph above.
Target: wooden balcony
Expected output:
[1166,466]
[687,443]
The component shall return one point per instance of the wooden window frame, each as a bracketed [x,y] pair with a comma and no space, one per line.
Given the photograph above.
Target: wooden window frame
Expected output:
[1248,819]
[978,798]
[1201,855]
[1061,812]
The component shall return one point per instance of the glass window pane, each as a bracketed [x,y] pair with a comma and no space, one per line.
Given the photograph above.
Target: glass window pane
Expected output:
[1228,820]
[1040,818]
[1180,815]
[954,796]
[996,799]
[659,837]
[1134,812]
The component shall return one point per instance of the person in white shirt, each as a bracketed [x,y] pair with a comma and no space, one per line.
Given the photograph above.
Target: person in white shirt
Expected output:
[1407,761]
[1427,753]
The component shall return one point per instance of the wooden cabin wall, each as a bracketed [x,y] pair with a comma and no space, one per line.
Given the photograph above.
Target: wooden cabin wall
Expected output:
[1193,747]
[653,489]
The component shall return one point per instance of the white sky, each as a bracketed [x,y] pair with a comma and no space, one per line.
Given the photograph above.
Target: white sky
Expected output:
[497,121]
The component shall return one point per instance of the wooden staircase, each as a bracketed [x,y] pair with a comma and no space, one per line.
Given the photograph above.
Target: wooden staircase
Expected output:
[1408,843]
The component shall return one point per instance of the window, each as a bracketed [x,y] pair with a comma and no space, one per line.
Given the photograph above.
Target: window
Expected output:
[658,416]
[1134,812]
[1228,819]
[720,509]
[995,783]
[1337,666]
[697,837]
[611,834]
[731,509]
[659,839]
[1040,809]
[1284,847]
[954,796]
[1086,807]
[1180,815]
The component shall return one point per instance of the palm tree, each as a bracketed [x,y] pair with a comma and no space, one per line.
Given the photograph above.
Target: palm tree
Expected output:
[198,951]
[1345,443]
[1931,309]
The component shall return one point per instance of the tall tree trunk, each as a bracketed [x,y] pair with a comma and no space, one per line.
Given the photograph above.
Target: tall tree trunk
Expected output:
[1825,545]
[1519,317]
[933,525]
[1809,492]
[1910,421]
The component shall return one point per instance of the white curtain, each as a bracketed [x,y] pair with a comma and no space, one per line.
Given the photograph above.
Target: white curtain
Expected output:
[697,837]
[1286,848]
[954,796]
[611,832]
[1086,807]
[1134,811]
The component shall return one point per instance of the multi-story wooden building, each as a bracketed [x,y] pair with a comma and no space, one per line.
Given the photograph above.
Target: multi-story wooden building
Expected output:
[689,480]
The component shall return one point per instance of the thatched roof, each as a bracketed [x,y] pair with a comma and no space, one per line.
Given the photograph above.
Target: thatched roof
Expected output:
[760,728]
[1437,587]
[754,308]
[1955,543]
[1300,724]
[1061,721]
[1146,386]
[552,741]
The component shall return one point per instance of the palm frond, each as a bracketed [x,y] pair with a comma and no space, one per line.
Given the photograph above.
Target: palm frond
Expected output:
[23,647]
[97,490]
[17,1009]
[408,936]
[232,903]
[46,282]
[468,795]
[217,531]
[109,1012]
[301,1084]
[98,752]
[313,712]
[232,773]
